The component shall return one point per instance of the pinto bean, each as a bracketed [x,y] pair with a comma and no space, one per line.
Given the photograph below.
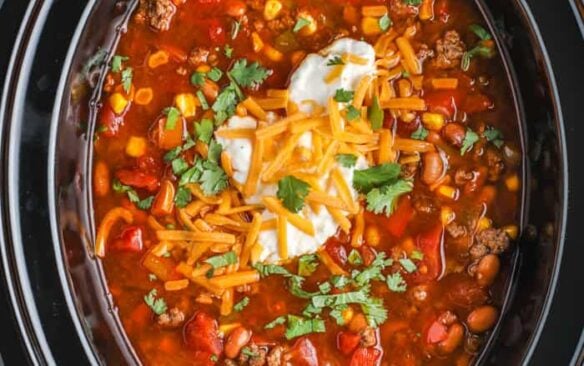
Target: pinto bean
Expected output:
[482,319]
[237,339]
[432,168]
[454,134]
[487,269]
[453,339]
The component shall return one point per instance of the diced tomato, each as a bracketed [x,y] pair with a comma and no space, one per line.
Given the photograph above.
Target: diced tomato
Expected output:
[368,254]
[337,252]
[347,342]
[130,240]
[398,221]
[430,243]
[201,334]
[110,123]
[216,32]
[476,103]
[138,179]
[436,333]
[366,357]
[445,102]
[303,353]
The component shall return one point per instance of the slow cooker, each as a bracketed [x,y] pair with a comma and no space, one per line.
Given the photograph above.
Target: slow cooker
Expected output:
[55,308]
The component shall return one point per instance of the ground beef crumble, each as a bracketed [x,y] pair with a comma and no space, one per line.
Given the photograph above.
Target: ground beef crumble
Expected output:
[449,50]
[158,13]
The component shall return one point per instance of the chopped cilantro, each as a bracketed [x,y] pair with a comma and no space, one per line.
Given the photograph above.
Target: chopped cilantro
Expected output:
[325,287]
[408,265]
[420,134]
[336,60]
[480,32]
[373,271]
[383,199]
[213,180]
[344,96]
[172,116]
[346,160]
[292,192]
[274,323]
[145,204]
[127,75]
[298,326]
[354,258]
[241,304]
[417,255]
[224,106]
[214,153]
[300,23]
[202,100]
[396,283]
[413,2]
[249,76]
[117,62]
[157,305]
[375,312]
[494,136]
[337,314]
[482,51]
[204,130]
[198,78]
[307,264]
[222,260]
[246,351]
[152,277]
[469,140]
[339,281]
[385,22]
[376,114]
[352,113]
[377,176]
[215,74]
[228,51]
[183,197]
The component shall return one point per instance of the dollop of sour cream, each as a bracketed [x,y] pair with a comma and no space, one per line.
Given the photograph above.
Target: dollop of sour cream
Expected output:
[307,86]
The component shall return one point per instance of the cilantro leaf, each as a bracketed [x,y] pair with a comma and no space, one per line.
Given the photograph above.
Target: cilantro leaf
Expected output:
[325,287]
[339,281]
[383,199]
[266,270]
[202,100]
[307,264]
[278,321]
[376,114]
[241,304]
[213,179]
[300,23]
[366,179]
[224,106]
[198,78]
[133,196]
[420,134]
[385,22]
[157,305]
[412,2]
[373,271]
[298,326]
[336,60]
[480,32]
[344,96]
[127,75]
[172,116]
[352,113]
[494,136]
[248,76]
[215,74]
[408,265]
[183,197]
[117,62]
[354,258]
[375,312]
[292,192]
[346,160]
[204,130]
[417,255]
[337,314]
[214,154]
[396,283]
[469,140]
[228,51]
[222,260]
[145,204]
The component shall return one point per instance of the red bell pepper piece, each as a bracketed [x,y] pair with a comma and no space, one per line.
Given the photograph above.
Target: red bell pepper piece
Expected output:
[130,240]
[138,179]
[347,342]
[201,334]
[366,357]
[398,221]
[430,243]
[445,102]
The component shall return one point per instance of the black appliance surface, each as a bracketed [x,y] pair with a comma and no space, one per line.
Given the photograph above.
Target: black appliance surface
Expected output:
[39,321]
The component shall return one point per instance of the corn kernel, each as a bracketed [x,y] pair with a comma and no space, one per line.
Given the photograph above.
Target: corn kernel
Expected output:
[447,215]
[310,28]
[272,53]
[372,236]
[448,192]
[118,103]
[186,103]
[433,121]
[136,146]
[158,58]
[348,314]
[370,26]
[143,96]
[204,68]
[272,9]
[512,183]
[512,231]
[484,223]
[257,42]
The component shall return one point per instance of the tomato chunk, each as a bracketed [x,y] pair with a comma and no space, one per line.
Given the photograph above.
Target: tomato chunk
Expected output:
[347,342]
[445,102]
[430,243]
[130,240]
[303,353]
[201,334]
[398,221]
[366,357]
[110,122]
[138,179]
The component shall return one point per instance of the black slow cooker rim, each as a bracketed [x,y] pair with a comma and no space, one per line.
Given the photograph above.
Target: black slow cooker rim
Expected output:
[32,325]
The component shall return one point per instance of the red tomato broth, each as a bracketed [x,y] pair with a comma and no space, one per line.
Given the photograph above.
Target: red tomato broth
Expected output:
[403,338]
